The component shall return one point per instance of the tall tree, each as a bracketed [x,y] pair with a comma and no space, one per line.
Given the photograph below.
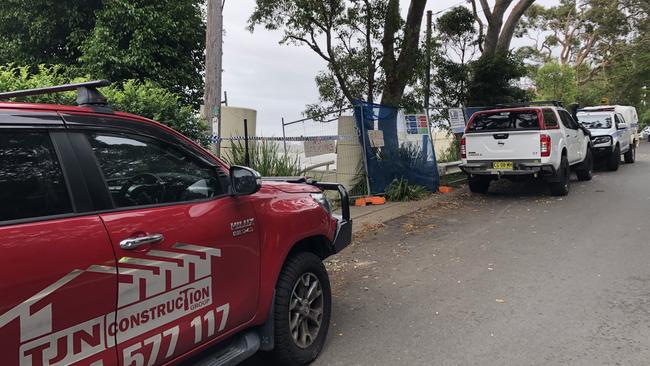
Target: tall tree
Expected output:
[44,31]
[585,33]
[369,49]
[496,69]
[556,82]
[498,35]
[158,40]
[457,46]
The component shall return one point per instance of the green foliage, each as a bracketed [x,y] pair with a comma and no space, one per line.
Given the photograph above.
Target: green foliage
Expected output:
[265,157]
[492,79]
[36,32]
[158,40]
[149,100]
[456,46]
[556,82]
[145,99]
[401,190]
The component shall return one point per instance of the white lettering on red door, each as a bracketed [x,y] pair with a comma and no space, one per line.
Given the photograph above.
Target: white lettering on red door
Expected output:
[154,292]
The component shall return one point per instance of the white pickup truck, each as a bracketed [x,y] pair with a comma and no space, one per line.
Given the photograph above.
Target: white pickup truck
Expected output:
[612,133]
[538,142]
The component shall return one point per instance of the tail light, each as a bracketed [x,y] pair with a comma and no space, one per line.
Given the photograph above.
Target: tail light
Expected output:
[545,145]
[463,148]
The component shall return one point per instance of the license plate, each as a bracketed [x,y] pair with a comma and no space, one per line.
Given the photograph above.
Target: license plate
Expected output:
[502,165]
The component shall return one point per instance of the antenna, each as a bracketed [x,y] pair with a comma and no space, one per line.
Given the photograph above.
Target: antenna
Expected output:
[87,94]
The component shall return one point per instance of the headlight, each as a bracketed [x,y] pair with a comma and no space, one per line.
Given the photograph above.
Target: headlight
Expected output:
[323,201]
[602,140]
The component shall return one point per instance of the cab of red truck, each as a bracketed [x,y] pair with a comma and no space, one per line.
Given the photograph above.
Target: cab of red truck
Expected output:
[125,243]
[527,140]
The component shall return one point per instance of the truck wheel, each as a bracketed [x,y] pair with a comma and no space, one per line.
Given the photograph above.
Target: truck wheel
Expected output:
[614,160]
[560,187]
[585,172]
[479,184]
[630,155]
[303,301]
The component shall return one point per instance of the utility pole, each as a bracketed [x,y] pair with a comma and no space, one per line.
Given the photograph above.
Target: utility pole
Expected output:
[213,69]
[427,78]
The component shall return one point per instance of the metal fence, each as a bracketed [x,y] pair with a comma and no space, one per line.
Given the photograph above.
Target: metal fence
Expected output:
[328,149]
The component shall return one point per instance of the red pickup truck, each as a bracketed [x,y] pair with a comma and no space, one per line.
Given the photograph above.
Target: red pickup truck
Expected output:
[122,242]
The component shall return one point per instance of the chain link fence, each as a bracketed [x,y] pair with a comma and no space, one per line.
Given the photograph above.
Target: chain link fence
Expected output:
[328,149]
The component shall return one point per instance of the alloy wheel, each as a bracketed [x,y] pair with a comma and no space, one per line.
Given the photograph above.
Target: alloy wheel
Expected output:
[306,310]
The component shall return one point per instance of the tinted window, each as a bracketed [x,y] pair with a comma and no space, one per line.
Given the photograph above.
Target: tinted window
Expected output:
[505,121]
[143,171]
[31,179]
[550,120]
[567,120]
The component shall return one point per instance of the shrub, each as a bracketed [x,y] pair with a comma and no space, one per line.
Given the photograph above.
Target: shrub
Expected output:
[265,157]
[401,190]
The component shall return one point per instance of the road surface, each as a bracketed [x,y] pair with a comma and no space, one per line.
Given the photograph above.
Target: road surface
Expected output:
[516,277]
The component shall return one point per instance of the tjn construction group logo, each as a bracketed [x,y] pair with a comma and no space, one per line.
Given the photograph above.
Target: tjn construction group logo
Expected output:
[153,291]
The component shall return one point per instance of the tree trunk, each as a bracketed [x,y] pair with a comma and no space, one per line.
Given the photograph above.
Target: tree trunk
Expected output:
[503,45]
[399,71]
[369,58]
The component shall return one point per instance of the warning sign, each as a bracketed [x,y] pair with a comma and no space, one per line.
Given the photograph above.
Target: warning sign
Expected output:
[319,147]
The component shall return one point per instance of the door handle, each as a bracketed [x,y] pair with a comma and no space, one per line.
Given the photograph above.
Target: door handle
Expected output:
[134,243]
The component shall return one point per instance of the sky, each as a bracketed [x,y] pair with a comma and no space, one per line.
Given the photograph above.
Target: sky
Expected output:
[276,80]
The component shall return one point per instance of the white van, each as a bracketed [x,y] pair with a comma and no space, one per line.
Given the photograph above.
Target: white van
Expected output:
[614,132]
[629,114]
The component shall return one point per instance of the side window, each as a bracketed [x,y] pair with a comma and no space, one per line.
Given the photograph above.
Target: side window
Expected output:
[568,121]
[31,179]
[142,171]
[619,119]
[550,120]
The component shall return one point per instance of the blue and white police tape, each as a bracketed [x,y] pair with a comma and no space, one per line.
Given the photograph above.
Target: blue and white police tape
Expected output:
[215,138]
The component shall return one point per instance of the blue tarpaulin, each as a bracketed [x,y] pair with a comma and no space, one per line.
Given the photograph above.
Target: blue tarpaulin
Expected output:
[403,154]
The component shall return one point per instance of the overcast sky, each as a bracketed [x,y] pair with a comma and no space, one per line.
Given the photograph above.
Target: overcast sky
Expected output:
[277,81]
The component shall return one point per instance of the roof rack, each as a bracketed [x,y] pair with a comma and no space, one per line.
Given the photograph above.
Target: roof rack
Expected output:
[87,94]
[554,103]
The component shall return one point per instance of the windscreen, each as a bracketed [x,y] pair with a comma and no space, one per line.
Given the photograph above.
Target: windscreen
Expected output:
[594,122]
[505,121]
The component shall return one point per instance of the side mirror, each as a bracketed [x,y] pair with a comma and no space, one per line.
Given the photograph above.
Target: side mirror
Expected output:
[244,181]
[622,126]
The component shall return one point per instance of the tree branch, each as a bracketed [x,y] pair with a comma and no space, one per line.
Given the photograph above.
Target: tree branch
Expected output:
[503,45]
[480,25]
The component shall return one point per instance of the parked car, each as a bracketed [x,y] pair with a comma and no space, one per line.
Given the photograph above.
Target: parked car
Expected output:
[645,134]
[611,136]
[538,141]
[124,243]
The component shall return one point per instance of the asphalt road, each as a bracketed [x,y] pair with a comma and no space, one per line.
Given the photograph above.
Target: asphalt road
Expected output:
[516,277]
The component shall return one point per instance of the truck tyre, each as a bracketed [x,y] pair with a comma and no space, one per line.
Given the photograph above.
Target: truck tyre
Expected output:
[630,155]
[614,160]
[303,302]
[479,184]
[560,186]
[586,169]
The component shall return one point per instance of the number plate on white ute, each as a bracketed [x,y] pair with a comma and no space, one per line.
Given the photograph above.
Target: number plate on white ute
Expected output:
[502,165]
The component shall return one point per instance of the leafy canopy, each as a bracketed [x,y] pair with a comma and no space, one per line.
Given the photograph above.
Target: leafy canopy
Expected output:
[145,99]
